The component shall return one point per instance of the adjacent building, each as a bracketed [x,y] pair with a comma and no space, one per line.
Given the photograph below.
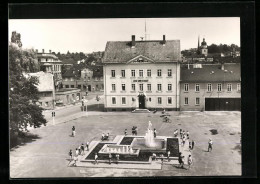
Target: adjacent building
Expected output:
[210,87]
[46,89]
[51,64]
[86,79]
[142,74]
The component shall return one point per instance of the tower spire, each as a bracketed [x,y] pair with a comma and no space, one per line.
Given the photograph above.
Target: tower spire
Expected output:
[198,42]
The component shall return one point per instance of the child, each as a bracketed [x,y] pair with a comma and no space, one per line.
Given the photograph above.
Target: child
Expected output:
[125,132]
[70,155]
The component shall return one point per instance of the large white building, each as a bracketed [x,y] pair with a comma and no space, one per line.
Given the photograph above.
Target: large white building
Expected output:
[142,74]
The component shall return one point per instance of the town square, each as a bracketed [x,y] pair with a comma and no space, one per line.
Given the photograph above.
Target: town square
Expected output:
[140,102]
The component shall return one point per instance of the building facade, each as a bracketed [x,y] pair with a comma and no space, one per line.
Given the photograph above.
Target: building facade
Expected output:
[210,87]
[142,75]
[51,64]
[46,89]
[85,79]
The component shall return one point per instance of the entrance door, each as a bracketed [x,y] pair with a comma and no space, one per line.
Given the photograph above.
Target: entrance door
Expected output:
[89,87]
[141,102]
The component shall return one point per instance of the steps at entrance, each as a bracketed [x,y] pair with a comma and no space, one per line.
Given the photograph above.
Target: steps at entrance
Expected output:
[140,111]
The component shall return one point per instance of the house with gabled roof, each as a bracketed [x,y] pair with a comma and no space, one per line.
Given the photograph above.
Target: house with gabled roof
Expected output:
[141,74]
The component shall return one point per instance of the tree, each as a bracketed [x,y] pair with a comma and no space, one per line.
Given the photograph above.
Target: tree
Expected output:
[23,93]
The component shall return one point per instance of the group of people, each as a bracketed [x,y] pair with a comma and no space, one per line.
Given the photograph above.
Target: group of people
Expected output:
[78,151]
[104,136]
[181,160]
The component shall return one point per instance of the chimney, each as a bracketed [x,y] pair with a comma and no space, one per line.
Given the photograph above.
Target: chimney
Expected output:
[42,50]
[164,41]
[36,50]
[50,51]
[133,41]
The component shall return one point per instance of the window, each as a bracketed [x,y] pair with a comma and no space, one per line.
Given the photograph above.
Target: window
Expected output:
[123,73]
[113,100]
[186,87]
[209,87]
[133,73]
[123,101]
[219,87]
[149,73]
[197,101]
[113,73]
[229,87]
[67,86]
[169,100]
[197,87]
[148,87]
[159,87]
[159,73]
[141,86]
[72,86]
[169,72]
[150,99]
[133,87]
[169,87]
[46,59]
[186,101]
[141,73]
[238,87]
[113,87]
[79,86]
[123,87]
[159,100]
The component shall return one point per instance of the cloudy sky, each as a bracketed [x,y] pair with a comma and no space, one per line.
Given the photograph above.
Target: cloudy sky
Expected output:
[89,35]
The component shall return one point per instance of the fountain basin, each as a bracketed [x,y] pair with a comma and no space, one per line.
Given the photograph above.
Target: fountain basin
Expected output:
[119,149]
[140,143]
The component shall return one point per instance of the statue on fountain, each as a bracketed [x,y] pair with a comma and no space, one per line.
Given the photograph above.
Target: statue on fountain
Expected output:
[150,126]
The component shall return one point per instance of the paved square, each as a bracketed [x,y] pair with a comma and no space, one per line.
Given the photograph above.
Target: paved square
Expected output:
[48,155]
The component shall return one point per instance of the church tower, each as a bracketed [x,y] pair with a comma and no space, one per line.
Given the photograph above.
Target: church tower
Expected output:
[204,48]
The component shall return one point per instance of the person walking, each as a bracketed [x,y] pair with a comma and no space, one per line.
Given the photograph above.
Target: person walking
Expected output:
[117,158]
[110,158]
[190,161]
[154,133]
[188,134]
[180,160]
[133,130]
[125,132]
[71,158]
[162,158]
[73,131]
[181,133]
[192,144]
[76,152]
[82,149]
[75,160]
[210,145]
[96,157]
[87,145]
[168,155]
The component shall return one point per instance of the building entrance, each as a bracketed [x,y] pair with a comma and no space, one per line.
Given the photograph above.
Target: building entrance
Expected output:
[141,101]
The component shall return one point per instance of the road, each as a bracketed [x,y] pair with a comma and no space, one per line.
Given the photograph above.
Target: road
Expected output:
[70,112]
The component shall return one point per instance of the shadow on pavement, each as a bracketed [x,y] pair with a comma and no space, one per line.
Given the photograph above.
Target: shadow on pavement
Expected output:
[21,139]
[96,107]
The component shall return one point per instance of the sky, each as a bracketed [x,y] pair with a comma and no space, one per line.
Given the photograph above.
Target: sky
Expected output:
[91,35]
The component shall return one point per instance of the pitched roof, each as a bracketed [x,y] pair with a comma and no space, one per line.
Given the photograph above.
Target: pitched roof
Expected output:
[211,73]
[121,51]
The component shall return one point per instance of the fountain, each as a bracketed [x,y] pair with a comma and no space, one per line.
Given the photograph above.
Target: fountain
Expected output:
[149,136]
